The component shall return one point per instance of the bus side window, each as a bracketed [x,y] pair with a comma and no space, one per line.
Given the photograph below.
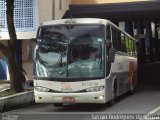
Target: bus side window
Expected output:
[118,40]
[114,38]
[131,46]
[108,34]
[123,43]
[108,62]
[127,44]
[108,46]
[134,48]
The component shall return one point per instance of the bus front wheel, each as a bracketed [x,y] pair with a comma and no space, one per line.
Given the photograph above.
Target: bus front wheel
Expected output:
[114,91]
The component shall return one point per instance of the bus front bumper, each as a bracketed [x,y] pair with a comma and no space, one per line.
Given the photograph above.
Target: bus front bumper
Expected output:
[88,97]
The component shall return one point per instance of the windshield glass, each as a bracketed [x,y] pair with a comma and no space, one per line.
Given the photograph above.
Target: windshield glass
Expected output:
[70,51]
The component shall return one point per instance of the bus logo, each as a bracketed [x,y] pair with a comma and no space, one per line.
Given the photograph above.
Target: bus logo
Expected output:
[65,85]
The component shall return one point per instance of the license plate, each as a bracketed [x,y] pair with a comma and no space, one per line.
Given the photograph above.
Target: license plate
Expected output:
[68,99]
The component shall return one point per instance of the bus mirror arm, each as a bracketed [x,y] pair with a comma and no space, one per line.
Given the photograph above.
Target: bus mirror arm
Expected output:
[112,54]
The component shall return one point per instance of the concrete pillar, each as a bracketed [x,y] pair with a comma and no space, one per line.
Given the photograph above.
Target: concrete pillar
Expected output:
[141,43]
[149,42]
[157,46]
[140,51]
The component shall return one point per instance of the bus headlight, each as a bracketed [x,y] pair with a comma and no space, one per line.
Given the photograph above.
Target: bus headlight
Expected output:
[42,89]
[95,89]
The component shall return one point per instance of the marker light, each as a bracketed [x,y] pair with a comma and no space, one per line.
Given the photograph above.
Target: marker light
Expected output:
[100,97]
[37,98]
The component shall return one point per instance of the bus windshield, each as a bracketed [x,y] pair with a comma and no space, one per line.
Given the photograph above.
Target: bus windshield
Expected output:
[70,51]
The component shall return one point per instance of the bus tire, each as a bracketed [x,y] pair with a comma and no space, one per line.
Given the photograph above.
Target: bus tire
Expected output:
[58,104]
[114,93]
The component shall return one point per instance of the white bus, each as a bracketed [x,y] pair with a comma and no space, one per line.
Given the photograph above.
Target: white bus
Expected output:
[84,60]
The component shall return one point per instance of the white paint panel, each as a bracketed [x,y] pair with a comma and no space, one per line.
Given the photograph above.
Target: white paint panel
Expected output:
[75,86]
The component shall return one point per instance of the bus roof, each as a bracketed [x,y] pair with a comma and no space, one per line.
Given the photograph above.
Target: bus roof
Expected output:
[83,21]
[76,21]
